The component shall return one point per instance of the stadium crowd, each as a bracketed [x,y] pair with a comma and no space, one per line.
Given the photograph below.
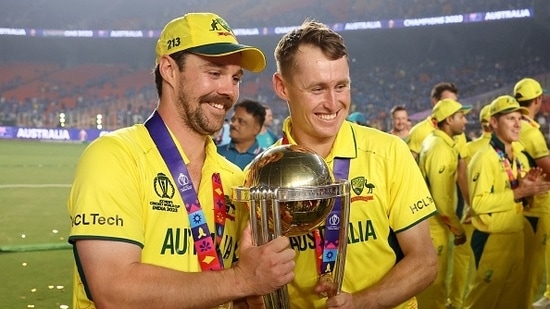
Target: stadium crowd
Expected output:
[123,94]
[379,87]
[126,15]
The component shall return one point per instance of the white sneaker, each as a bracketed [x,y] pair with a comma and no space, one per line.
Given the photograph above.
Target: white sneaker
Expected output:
[542,303]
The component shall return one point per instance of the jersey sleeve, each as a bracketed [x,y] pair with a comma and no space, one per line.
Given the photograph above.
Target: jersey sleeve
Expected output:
[105,194]
[410,200]
[492,200]
[441,168]
[414,140]
[534,142]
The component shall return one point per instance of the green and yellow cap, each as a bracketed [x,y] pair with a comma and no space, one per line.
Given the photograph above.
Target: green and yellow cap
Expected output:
[485,113]
[206,34]
[447,107]
[506,104]
[527,89]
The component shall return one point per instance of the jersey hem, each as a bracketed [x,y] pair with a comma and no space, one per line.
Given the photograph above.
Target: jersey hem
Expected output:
[416,222]
[74,238]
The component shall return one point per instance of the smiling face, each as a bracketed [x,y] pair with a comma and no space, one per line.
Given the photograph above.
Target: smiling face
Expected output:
[507,127]
[317,93]
[399,120]
[208,88]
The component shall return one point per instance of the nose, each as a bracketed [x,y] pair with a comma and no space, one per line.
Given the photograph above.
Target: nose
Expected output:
[331,99]
[229,88]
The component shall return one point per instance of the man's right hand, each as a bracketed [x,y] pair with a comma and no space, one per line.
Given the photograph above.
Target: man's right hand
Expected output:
[267,267]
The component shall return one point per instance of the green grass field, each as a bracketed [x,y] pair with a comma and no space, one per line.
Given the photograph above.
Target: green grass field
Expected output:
[35,180]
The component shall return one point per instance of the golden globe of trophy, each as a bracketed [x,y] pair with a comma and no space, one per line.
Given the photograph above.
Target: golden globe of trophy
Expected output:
[290,191]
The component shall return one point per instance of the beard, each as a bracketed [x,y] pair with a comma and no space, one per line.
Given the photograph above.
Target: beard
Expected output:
[193,115]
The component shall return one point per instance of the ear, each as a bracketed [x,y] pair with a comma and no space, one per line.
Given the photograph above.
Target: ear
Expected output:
[258,128]
[493,122]
[168,70]
[279,86]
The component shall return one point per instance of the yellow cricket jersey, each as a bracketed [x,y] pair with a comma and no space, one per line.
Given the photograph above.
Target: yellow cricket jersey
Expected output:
[491,195]
[473,146]
[438,162]
[418,133]
[422,129]
[388,196]
[532,139]
[124,191]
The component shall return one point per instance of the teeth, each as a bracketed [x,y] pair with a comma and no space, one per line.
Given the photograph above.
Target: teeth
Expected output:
[327,116]
[218,106]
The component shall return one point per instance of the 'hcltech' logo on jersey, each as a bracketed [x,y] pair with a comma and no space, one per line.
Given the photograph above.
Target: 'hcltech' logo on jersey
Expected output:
[421,204]
[358,185]
[165,190]
[96,219]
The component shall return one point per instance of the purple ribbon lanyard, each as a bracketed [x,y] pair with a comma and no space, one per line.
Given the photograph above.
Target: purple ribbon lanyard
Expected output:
[209,255]
[333,221]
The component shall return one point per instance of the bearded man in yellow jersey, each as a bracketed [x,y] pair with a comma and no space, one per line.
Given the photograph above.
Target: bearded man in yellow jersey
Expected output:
[389,257]
[502,185]
[417,134]
[145,198]
[438,162]
[529,94]
[421,130]
[462,256]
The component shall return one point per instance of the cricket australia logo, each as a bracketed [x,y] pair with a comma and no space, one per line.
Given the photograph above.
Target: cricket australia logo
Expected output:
[358,185]
[217,23]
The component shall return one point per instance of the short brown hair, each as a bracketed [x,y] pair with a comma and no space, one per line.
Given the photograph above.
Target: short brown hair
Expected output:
[439,88]
[309,33]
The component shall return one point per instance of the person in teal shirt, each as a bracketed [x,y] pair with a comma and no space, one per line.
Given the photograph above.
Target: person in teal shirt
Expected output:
[245,124]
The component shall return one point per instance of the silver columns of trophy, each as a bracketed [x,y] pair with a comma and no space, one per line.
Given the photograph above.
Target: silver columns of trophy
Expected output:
[290,191]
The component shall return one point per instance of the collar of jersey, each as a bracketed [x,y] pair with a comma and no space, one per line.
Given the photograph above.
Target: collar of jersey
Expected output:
[345,144]
[449,140]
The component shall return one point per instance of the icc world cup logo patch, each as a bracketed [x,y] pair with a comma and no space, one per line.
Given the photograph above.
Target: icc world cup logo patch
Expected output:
[163,186]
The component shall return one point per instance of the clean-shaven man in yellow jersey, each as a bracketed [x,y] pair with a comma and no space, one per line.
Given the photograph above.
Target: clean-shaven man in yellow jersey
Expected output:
[501,185]
[462,256]
[438,162]
[390,257]
[152,224]
[529,94]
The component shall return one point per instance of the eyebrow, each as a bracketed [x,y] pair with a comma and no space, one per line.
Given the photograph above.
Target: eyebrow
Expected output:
[212,64]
